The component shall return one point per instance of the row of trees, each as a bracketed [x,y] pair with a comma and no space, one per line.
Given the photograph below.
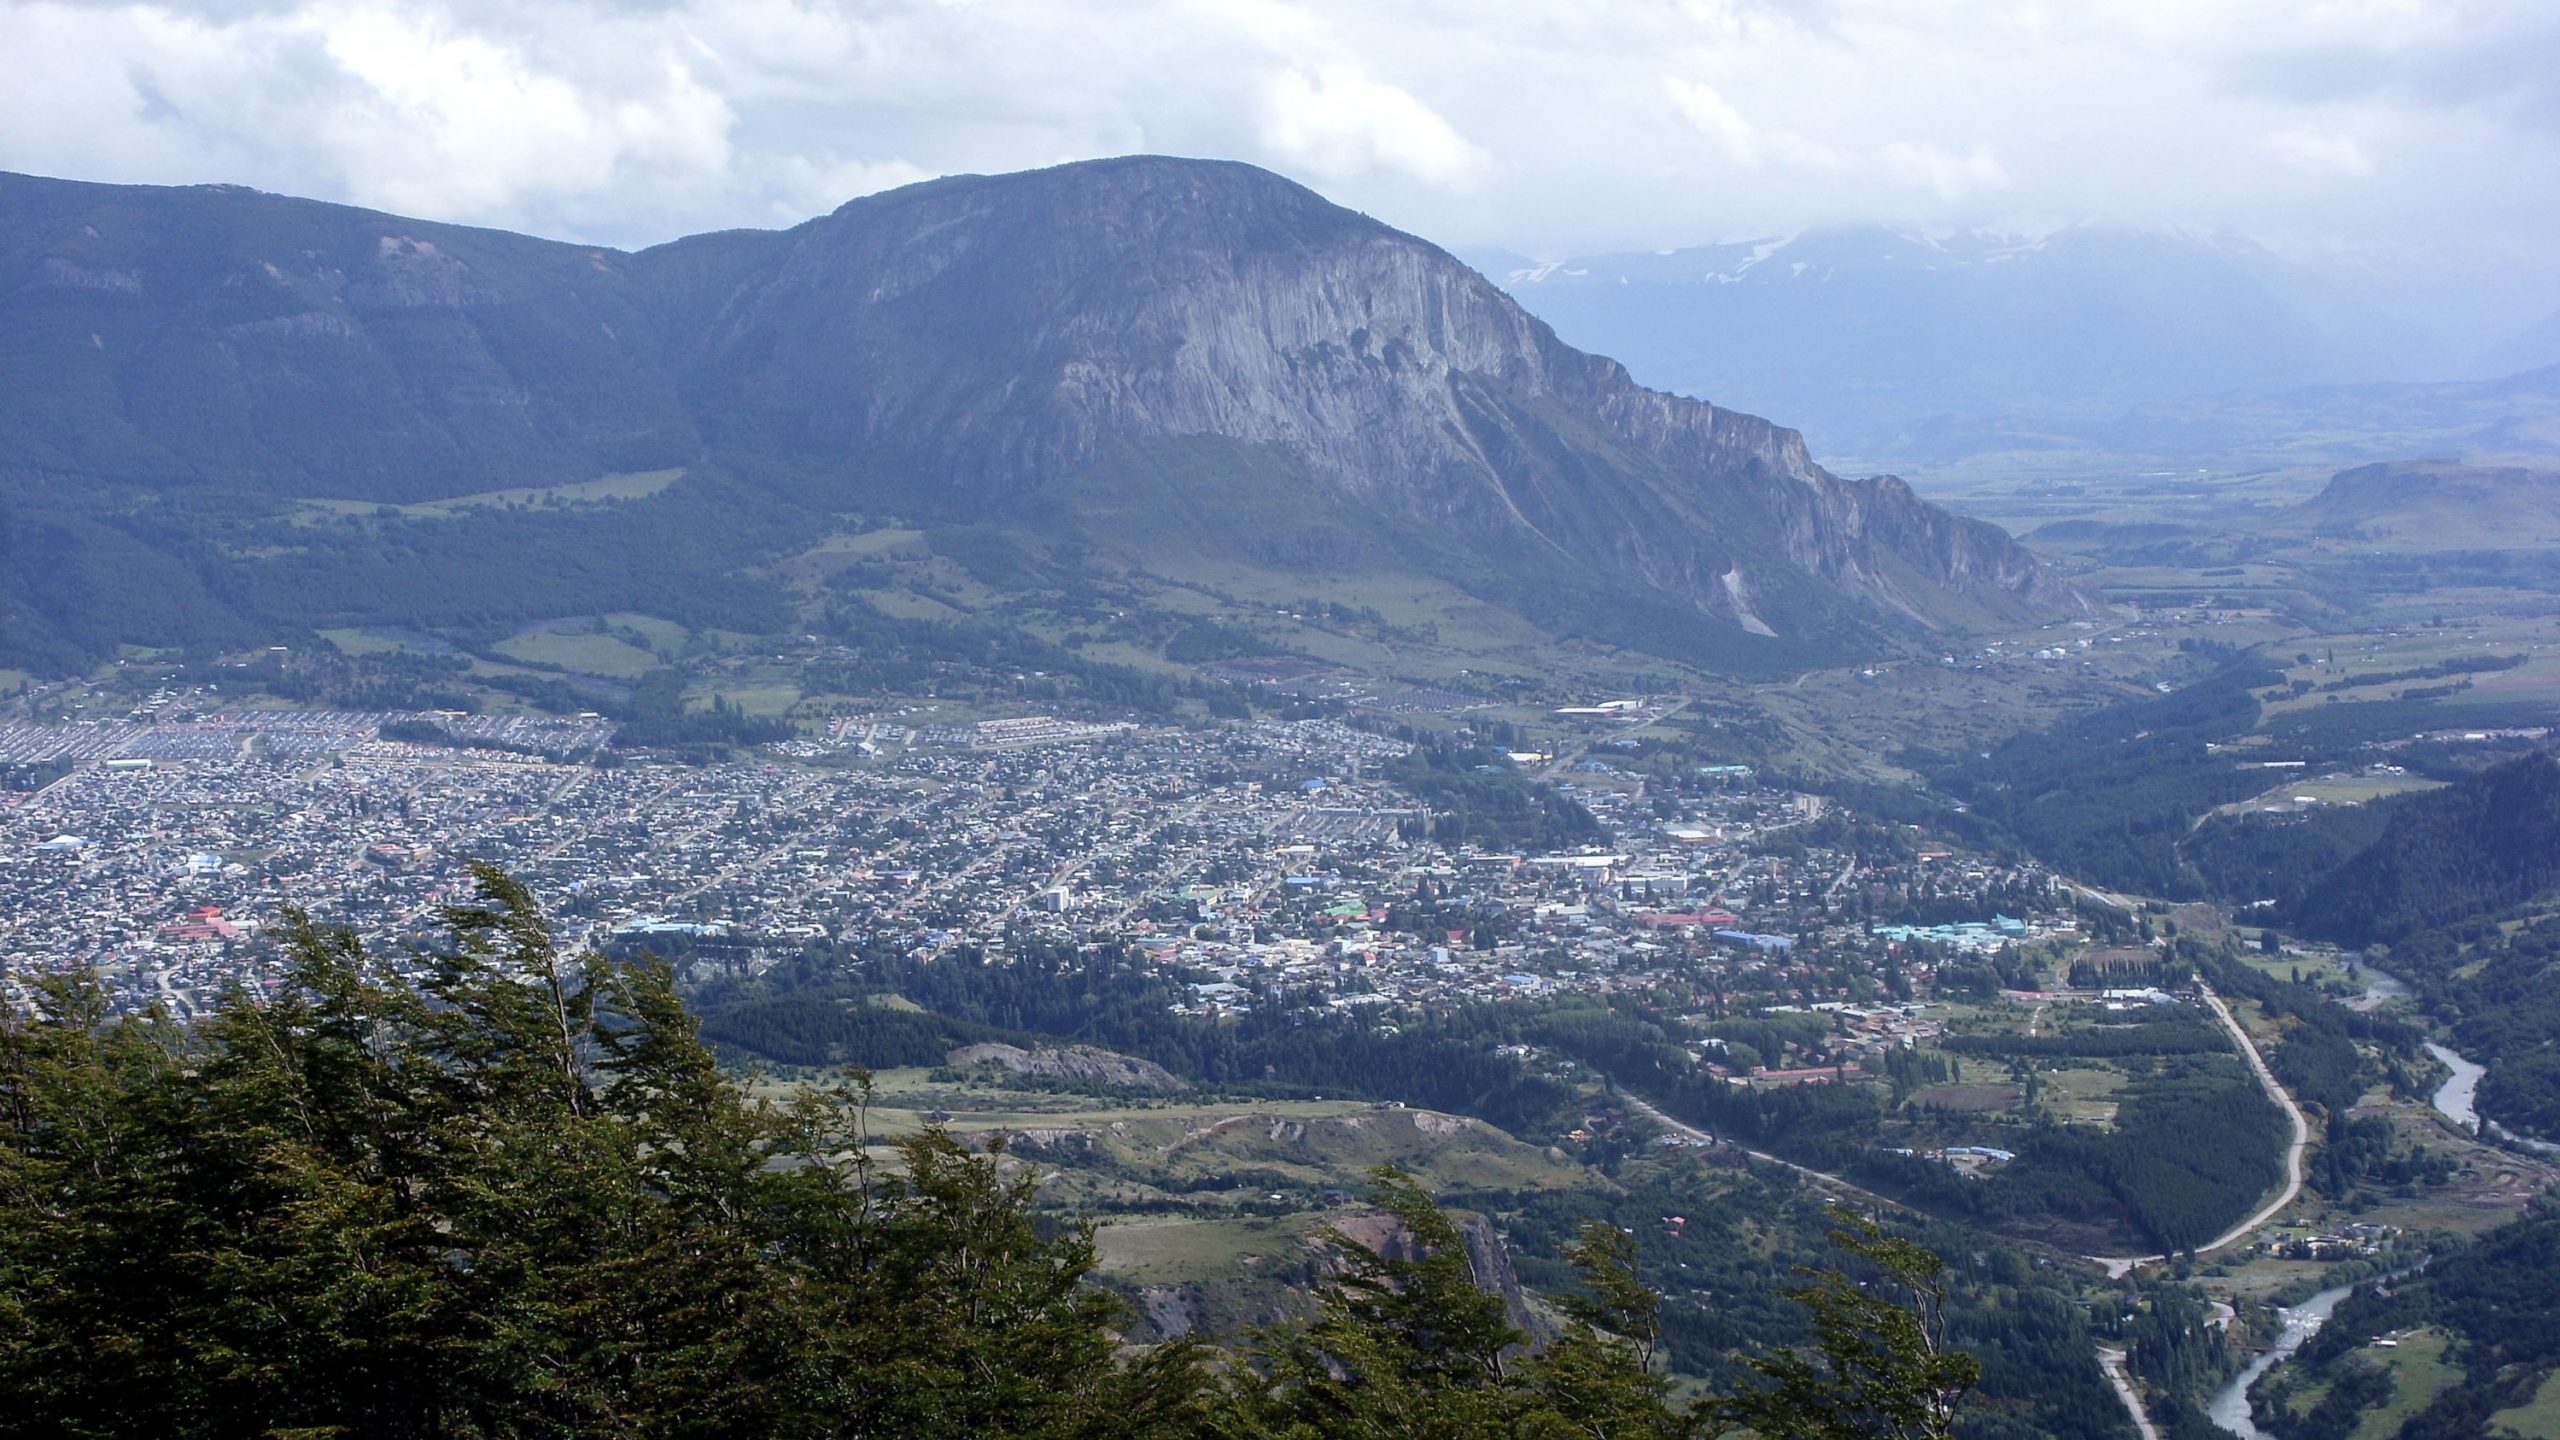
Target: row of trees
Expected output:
[514,1195]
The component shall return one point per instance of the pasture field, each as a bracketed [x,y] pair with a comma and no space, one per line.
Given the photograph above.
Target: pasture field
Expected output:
[2536,1419]
[587,652]
[634,485]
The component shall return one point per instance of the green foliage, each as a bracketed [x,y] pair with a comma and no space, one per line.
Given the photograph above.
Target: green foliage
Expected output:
[2194,1144]
[2108,796]
[516,1198]
[2156,1030]
[2275,856]
[656,717]
[2451,855]
[1109,997]
[2499,1300]
[2501,996]
[509,1193]
[1879,1366]
[203,570]
[1476,798]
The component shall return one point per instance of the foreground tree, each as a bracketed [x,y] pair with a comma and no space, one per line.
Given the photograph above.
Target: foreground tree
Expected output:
[1409,1343]
[499,1193]
[1879,1367]
[508,1195]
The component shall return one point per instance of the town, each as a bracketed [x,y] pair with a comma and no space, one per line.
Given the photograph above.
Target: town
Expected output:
[1253,860]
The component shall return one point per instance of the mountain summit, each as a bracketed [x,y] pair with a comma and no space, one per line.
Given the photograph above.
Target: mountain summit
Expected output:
[1159,360]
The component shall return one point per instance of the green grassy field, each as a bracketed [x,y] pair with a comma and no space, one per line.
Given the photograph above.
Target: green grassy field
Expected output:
[2536,1419]
[360,642]
[906,605]
[754,696]
[1971,1099]
[635,485]
[2347,789]
[2419,1373]
[1155,1250]
[2085,1094]
[586,652]
[665,637]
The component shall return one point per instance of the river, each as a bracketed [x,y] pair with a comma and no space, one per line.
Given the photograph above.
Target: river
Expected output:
[2456,1100]
[2230,1407]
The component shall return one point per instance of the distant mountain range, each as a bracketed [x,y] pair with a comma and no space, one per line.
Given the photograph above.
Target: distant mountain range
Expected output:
[2312,426]
[222,412]
[1907,348]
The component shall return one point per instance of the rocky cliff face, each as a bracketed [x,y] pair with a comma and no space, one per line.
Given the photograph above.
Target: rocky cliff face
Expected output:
[1099,351]
[993,337]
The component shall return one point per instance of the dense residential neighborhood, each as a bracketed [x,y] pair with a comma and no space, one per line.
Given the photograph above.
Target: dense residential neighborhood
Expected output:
[1256,859]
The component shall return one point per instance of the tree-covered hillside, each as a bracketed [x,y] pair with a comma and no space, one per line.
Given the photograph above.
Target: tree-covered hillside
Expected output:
[2464,851]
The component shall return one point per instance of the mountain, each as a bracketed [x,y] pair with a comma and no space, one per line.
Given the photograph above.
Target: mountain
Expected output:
[263,403]
[2536,347]
[1866,334]
[2432,505]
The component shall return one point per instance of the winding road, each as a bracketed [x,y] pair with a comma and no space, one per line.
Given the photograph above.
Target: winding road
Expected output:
[1647,1109]
[2116,1266]
[2112,1362]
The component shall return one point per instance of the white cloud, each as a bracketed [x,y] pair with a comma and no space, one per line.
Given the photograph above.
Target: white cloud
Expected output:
[810,186]
[1339,124]
[444,121]
[1551,129]
[2320,152]
[1942,172]
[1716,119]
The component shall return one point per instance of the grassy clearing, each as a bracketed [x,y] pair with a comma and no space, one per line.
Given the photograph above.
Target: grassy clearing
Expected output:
[773,697]
[1196,1146]
[635,485]
[1971,1099]
[1155,1251]
[870,542]
[2536,1419]
[2257,1278]
[663,636]
[586,652]
[353,643]
[1034,1110]
[2419,1373]
[2353,789]
[2313,966]
[2085,1095]
[907,605]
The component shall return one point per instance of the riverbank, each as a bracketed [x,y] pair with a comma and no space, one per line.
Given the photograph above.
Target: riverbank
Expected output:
[2296,1325]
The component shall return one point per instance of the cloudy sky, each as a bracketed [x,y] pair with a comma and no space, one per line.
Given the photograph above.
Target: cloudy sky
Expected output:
[2383,130]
